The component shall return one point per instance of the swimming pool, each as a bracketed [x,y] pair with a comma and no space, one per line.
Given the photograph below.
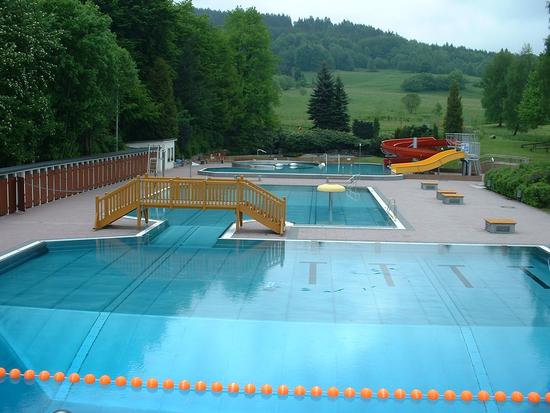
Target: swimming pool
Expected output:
[359,207]
[187,305]
[301,170]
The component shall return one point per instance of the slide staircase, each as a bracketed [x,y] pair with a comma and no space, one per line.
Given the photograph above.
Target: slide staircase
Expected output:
[240,195]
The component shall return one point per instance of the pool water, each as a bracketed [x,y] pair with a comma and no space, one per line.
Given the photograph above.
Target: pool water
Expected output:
[187,305]
[357,206]
[307,169]
[305,206]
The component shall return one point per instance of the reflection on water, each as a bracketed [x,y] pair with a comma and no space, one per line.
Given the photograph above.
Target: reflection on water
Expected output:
[190,306]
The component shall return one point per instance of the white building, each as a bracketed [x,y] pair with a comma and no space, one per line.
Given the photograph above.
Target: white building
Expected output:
[167,151]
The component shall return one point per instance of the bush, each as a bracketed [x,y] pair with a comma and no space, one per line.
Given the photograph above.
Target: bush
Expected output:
[537,195]
[315,140]
[426,82]
[530,183]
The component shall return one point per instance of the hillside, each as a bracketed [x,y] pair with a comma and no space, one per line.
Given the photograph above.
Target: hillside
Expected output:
[303,45]
[378,94]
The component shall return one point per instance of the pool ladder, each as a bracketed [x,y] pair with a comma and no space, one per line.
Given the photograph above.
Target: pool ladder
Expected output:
[351,185]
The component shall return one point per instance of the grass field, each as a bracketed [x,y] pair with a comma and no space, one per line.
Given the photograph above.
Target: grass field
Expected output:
[378,94]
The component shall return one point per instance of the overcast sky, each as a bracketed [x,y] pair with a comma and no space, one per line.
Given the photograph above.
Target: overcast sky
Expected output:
[479,24]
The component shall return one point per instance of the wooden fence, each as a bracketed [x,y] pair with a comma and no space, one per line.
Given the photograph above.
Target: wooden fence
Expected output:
[31,185]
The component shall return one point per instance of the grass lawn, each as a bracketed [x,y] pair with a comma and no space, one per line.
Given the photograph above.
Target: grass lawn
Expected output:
[378,94]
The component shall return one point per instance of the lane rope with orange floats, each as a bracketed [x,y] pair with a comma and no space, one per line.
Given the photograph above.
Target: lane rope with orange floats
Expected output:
[267,390]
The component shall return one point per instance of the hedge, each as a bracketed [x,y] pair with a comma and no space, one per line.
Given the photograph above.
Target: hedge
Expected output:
[530,183]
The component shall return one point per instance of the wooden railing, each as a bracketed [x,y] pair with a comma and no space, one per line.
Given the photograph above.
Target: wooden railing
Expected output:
[239,195]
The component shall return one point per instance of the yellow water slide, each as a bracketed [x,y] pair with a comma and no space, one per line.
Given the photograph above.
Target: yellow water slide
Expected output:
[433,162]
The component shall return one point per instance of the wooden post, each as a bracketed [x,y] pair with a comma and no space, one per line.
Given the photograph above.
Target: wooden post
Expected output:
[96,212]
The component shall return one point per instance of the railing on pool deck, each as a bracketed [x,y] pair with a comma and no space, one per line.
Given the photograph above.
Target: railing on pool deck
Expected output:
[239,195]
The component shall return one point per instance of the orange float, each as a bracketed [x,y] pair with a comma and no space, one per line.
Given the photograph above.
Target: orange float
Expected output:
[59,376]
[517,396]
[399,394]
[432,394]
[216,387]
[44,375]
[533,397]
[266,389]
[105,380]
[316,391]
[152,383]
[366,393]
[547,397]
[233,388]
[2,372]
[200,386]
[349,392]
[467,396]
[383,394]
[416,394]
[89,379]
[282,390]
[15,374]
[500,396]
[120,381]
[249,388]
[184,385]
[168,384]
[299,391]
[136,382]
[333,392]
[449,395]
[74,377]
[483,396]
[29,375]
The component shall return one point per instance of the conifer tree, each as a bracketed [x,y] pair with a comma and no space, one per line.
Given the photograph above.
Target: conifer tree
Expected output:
[454,122]
[340,113]
[321,102]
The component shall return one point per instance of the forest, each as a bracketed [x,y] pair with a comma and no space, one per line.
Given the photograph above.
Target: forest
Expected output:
[305,44]
[83,77]
[72,71]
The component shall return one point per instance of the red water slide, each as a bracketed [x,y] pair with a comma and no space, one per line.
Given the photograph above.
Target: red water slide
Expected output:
[402,150]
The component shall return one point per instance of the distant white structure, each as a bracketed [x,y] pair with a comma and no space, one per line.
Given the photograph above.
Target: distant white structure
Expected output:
[167,151]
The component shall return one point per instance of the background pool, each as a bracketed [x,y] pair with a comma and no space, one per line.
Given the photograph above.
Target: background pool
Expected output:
[190,306]
[309,169]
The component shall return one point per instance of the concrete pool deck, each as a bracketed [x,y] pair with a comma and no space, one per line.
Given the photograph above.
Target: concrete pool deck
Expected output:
[425,218]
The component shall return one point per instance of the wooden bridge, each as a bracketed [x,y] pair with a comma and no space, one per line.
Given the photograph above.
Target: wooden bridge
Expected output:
[240,195]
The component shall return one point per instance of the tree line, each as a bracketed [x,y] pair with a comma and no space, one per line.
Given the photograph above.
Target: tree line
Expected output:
[305,44]
[69,69]
[516,88]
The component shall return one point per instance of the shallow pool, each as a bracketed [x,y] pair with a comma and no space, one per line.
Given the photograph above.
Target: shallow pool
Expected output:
[306,206]
[187,305]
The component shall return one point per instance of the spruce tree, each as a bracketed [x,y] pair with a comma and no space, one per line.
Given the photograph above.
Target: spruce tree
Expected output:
[454,122]
[321,102]
[340,113]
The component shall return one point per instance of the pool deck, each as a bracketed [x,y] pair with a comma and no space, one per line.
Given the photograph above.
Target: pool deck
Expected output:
[425,218]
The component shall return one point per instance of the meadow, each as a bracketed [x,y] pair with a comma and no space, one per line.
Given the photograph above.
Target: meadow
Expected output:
[378,94]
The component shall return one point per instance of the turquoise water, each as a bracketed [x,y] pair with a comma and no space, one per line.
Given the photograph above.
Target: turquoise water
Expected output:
[310,169]
[189,306]
[307,206]
[357,207]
